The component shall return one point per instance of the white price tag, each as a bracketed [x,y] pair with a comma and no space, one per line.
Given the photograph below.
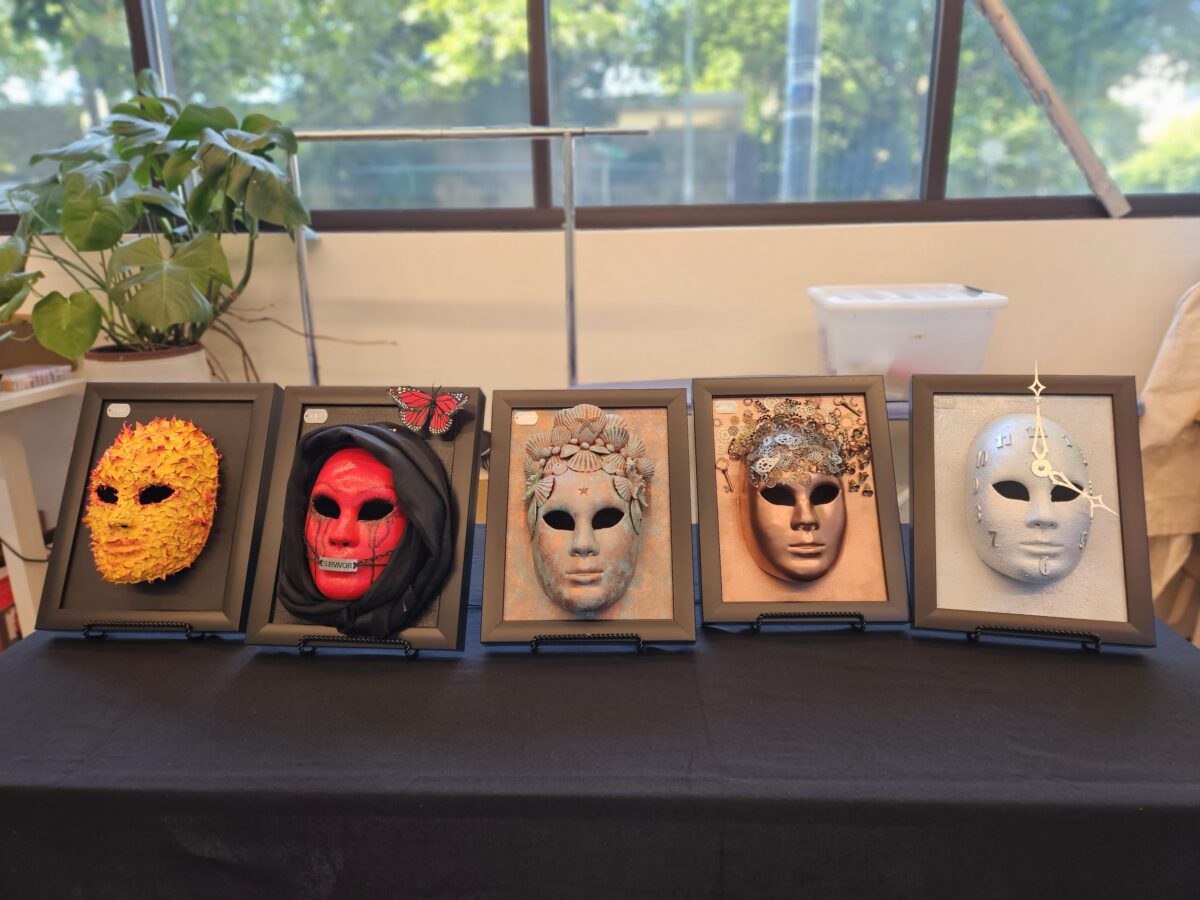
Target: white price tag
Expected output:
[314,416]
[117,410]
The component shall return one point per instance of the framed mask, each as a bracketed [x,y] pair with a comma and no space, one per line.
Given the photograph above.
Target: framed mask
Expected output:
[589,516]
[796,499]
[158,521]
[369,520]
[1027,506]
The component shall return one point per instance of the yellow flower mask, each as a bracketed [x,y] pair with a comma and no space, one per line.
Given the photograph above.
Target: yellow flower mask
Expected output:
[151,500]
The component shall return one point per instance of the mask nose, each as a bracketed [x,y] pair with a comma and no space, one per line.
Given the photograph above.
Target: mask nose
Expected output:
[804,517]
[583,542]
[1041,512]
[122,516]
[344,531]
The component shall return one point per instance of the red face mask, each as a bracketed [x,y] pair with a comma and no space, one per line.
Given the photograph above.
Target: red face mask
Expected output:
[353,525]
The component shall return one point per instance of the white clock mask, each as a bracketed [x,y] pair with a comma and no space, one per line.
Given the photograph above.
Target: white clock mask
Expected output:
[1023,525]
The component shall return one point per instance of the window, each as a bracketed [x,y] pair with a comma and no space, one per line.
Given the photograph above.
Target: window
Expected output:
[761,111]
[748,101]
[61,66]
[1127,69]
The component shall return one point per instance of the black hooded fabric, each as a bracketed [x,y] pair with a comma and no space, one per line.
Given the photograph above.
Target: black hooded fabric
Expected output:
[421,560]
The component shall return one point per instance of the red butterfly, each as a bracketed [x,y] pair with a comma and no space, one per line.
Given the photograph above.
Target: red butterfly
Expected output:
[416,406]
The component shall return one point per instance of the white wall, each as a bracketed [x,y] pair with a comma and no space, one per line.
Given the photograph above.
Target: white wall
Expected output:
[1087,296]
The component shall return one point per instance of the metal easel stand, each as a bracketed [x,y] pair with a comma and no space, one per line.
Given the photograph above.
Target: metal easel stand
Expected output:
[1087,640]
[308,644]
[567,134]
[857,621]
[574,640]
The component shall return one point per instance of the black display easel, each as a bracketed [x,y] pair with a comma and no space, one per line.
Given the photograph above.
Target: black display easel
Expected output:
[103,628]
[857,621]
[572,639]
[1087,640]
[308,644]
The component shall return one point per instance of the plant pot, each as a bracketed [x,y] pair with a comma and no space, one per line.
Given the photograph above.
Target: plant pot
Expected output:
[178,364]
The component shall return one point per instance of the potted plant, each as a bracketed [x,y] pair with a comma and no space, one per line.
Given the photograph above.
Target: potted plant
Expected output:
[184,177]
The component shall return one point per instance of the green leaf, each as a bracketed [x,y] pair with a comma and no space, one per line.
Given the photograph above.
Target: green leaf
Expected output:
[200,202]
[142,105]
[282,137]
[165,201]
[40,204]
[93,145]
[251,179]
[92,221]
[14,303]
[135,131]
[104,175]
[13,253]
[169,291]
[178,166]
[195,118]
[67,325]
[148,83]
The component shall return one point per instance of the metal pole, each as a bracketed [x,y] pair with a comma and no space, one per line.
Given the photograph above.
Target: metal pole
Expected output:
[567,134]
[568,166]
[460,134]
[314,376]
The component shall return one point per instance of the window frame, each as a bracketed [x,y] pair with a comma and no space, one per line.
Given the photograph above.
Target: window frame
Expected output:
[931,206]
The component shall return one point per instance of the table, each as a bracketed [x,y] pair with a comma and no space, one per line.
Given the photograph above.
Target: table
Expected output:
[788,763]
[24,416]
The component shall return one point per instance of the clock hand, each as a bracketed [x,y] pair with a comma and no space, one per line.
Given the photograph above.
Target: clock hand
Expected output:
[1041,446]
[1061,480]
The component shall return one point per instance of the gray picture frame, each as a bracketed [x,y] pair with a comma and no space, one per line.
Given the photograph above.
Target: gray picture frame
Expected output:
[681,627]
[450,629]
[871,389]
[1138,630]
[242,521]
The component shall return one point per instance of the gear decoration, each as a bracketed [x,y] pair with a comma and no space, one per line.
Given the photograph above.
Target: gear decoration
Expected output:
[584,439]
[788,440]
[151,501]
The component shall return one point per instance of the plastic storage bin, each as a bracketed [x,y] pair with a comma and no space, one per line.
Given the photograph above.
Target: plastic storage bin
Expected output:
[896,330]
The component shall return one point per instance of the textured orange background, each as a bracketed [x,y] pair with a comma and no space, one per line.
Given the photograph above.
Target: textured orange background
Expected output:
[857,576]
[649,595]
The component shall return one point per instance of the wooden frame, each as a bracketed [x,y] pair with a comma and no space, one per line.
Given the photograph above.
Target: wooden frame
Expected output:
[1138,629]
[235,525]
[450,628]
[677,492]
[716,609]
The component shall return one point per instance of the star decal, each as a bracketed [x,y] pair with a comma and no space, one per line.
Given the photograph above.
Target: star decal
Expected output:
[1037,387]
[583,490]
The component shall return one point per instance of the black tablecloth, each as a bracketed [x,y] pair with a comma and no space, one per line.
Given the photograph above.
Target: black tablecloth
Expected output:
[828,764]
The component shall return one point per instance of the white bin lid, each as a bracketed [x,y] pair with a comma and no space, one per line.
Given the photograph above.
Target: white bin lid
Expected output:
[903,297]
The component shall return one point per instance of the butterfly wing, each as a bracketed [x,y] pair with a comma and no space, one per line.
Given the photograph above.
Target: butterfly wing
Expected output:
[415,407]
[444,408]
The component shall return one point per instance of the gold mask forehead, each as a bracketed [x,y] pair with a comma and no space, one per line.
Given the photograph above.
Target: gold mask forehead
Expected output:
[135,542]
[783,440]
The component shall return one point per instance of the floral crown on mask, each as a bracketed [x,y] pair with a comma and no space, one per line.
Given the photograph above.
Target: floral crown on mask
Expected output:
[787,441]
[585,439]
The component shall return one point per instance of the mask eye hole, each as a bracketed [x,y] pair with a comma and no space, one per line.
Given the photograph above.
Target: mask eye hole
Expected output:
[106,493]
[374,510]
[326,506]
[824,493]
[779,495]
[1013,490]
[560,520]
[607,517]
[154,493]
[1062,494]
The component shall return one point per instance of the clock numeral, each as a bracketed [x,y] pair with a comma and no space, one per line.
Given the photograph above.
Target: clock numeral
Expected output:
[1044,565]
[975,485]
[978,513]
[981,459]
[993,534]
[1083,541]
[1003,440]
[1067,441]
